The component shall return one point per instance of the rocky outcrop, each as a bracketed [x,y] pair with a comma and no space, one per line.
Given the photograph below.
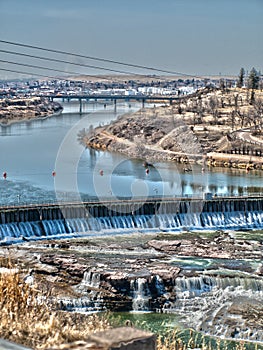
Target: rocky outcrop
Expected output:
[112,273]
[121,338]
[23,109]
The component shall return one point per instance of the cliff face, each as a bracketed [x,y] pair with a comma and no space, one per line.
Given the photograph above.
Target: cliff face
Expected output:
[15,110]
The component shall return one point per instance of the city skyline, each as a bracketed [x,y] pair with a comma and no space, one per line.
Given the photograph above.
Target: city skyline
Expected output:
[195,37]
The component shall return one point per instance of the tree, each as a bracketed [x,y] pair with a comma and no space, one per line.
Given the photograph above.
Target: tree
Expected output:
[241,77]
[222,84]
[213,106]
[258,112]
[253,79]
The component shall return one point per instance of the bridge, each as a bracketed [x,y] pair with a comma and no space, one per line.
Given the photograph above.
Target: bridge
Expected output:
[113,98]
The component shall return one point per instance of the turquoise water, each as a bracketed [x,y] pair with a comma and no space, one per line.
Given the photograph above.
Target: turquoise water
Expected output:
[168,326]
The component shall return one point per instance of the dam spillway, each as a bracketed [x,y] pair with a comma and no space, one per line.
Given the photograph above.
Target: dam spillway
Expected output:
[174,214]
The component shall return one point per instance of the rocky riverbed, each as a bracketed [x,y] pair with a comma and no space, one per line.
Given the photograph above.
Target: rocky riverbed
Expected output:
[25,109]
[153,272]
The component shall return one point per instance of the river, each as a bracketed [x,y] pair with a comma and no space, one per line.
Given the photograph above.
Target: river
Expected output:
[30,151]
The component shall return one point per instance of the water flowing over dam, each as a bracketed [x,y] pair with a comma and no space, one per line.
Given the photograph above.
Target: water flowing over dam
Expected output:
[58,220]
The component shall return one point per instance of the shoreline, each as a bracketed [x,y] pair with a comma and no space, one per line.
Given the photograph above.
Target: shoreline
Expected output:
[27,120]
[178,133]
[106,142]
[23,110]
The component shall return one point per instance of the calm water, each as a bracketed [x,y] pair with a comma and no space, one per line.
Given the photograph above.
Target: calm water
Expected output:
[30,151]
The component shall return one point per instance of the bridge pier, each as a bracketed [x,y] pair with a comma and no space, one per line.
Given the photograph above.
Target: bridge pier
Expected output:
[80,106]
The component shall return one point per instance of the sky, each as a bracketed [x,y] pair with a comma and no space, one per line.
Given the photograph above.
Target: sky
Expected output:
[196,37]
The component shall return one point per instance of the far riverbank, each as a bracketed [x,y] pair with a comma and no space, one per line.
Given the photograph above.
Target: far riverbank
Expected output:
[212,128]
[26,109]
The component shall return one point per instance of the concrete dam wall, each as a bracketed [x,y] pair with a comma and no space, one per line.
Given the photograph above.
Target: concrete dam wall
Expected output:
[151,215]
[125,208]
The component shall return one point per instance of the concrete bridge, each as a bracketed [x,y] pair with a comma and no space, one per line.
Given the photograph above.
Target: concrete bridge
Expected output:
[114,98]
[39,212]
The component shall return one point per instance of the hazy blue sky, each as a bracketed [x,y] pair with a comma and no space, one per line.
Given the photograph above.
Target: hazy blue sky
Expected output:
[190,36]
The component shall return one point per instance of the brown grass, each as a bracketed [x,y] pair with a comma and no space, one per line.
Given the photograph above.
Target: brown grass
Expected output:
[26,319]
[174,342]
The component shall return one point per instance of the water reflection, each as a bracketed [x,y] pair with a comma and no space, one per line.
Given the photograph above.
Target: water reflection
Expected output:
[28,154]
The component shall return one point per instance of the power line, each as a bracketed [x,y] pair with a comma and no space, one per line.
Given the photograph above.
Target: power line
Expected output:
[67,62]
[38,67]
[50,69]
[44,76]
[27,73]
[97,59]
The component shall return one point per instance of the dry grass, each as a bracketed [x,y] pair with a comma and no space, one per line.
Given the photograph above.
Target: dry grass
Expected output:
[174,341]
[26,319]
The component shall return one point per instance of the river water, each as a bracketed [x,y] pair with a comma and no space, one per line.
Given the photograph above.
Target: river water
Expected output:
[30,151]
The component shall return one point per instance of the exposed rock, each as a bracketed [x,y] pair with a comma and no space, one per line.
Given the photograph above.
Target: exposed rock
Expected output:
[67,263]
[23,109]
[167,246]
[259,270]
[166,273]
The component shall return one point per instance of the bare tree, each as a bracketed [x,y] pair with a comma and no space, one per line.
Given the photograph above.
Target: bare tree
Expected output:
[257,113]
[213,105]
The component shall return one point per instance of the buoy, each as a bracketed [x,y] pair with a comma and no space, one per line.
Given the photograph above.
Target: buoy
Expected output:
[53,173]
[147,171]
[4,175]
[101,172]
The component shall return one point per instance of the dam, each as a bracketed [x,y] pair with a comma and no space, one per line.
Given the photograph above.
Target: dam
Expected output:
[169,214]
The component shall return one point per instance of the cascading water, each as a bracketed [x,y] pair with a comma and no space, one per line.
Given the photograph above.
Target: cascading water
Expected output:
[166,222]
[90,300]
[140,294]
[207,304]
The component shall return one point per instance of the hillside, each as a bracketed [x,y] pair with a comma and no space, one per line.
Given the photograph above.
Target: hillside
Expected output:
[212,124]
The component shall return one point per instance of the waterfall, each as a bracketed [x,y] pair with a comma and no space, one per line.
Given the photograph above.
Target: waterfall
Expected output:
[195,286]
[91,299]
[166,222]
[140,294]
[207,304]
[160,287]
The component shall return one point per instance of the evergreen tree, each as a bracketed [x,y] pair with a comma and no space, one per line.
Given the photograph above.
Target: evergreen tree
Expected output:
[253,79]
[241,76]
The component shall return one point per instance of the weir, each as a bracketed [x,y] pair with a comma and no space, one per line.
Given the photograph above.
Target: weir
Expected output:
[163,214]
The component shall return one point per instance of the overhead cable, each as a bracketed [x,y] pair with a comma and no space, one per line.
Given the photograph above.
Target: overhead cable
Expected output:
[156,69]
[67,62]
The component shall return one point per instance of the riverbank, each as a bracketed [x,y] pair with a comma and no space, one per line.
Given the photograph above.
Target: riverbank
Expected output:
[26,109]
[213,128]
